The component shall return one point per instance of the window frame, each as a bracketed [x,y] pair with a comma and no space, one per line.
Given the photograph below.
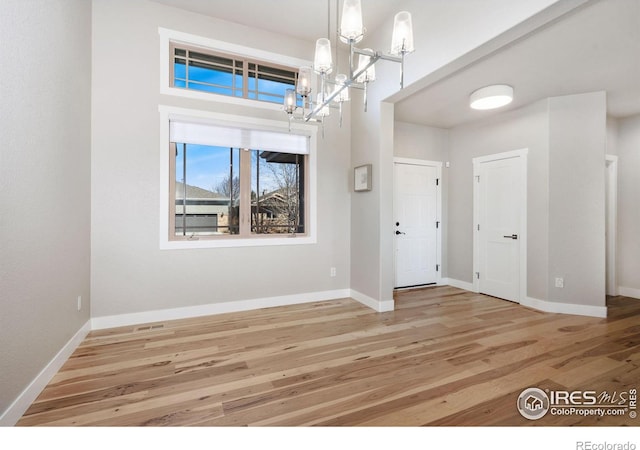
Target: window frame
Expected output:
[167,37]
[167,183]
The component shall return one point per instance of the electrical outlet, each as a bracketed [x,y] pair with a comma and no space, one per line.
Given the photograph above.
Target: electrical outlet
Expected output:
[79,302]
[559,282]
[332,272]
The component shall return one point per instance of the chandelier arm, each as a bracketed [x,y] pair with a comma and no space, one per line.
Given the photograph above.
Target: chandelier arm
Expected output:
[378,55]
[365,96]
[351,52]
[335,93]
[402,71]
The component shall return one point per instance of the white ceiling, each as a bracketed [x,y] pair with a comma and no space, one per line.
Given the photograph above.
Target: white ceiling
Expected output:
[594,48]
[597,47]
[303,19]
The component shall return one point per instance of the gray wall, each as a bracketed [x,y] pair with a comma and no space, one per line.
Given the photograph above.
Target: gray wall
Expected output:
[129,272]
[461,26]
[45,92]
[628,211]
[523,128]
[420,142]
[577,145]
[365,223]
[566,138]
[612,136]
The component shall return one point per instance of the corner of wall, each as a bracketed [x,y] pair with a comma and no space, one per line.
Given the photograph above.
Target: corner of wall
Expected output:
[16,410]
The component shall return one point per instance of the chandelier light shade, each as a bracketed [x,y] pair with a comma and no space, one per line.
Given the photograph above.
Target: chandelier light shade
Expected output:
[351,29]
[370,73]
[343,95]
[402,38]
[304,81]
[322,62]
[290,101]
[491,97]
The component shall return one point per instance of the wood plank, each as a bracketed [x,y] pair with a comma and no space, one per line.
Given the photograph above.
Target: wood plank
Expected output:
[443,357]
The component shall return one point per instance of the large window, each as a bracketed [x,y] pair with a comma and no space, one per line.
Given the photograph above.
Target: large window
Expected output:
[207,71]
[229,183]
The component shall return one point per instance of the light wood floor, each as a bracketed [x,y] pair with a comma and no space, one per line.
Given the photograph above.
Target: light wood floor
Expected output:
[443,357]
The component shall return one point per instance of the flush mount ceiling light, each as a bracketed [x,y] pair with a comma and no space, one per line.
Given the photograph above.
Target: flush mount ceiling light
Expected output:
[360,72]
[491,97]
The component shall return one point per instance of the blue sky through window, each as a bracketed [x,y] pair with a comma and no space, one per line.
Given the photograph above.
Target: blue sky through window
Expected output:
[208,167]
[222,82]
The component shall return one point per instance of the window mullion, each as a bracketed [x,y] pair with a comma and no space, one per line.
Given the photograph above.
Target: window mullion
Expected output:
[172,189]
[245,192]
[245,79]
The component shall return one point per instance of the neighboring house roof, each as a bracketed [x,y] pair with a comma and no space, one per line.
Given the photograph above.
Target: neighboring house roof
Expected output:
[277,195]
[194,192]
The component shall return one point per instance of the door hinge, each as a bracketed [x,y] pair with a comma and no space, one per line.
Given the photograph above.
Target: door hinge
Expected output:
[437,181]
[437,224]
[478,275]
[478,178]
[437,267]
[478,227]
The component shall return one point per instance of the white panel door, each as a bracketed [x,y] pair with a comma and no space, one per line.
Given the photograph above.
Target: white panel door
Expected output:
[415,217]
[499,228]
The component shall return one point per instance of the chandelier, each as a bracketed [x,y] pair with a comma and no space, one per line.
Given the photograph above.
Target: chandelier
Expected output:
[351,32]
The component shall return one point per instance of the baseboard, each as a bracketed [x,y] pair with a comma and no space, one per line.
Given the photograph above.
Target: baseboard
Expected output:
[122,320]
[379,306]
[565,308]
[458,284]
[20,405]
[547,306]
[628,292]
[17,409]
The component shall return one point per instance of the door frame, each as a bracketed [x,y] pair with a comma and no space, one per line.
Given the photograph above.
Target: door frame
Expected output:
[611,165]
[521,154]
[438,165]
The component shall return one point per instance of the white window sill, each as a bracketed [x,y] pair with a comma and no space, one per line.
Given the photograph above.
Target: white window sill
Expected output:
[231,242]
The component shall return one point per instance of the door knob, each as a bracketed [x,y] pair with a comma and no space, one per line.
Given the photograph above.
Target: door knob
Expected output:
[399,232]
[513,236]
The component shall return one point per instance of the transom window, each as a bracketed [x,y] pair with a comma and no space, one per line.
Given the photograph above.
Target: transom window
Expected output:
[218,73]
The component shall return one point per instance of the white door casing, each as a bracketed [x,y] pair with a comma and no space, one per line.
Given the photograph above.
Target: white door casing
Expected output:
[416,217]
[611,176]
[500,218]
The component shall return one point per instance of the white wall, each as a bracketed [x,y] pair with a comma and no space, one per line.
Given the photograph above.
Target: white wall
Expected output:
[577,145]
[628,211]
[129,272]
[45,82]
